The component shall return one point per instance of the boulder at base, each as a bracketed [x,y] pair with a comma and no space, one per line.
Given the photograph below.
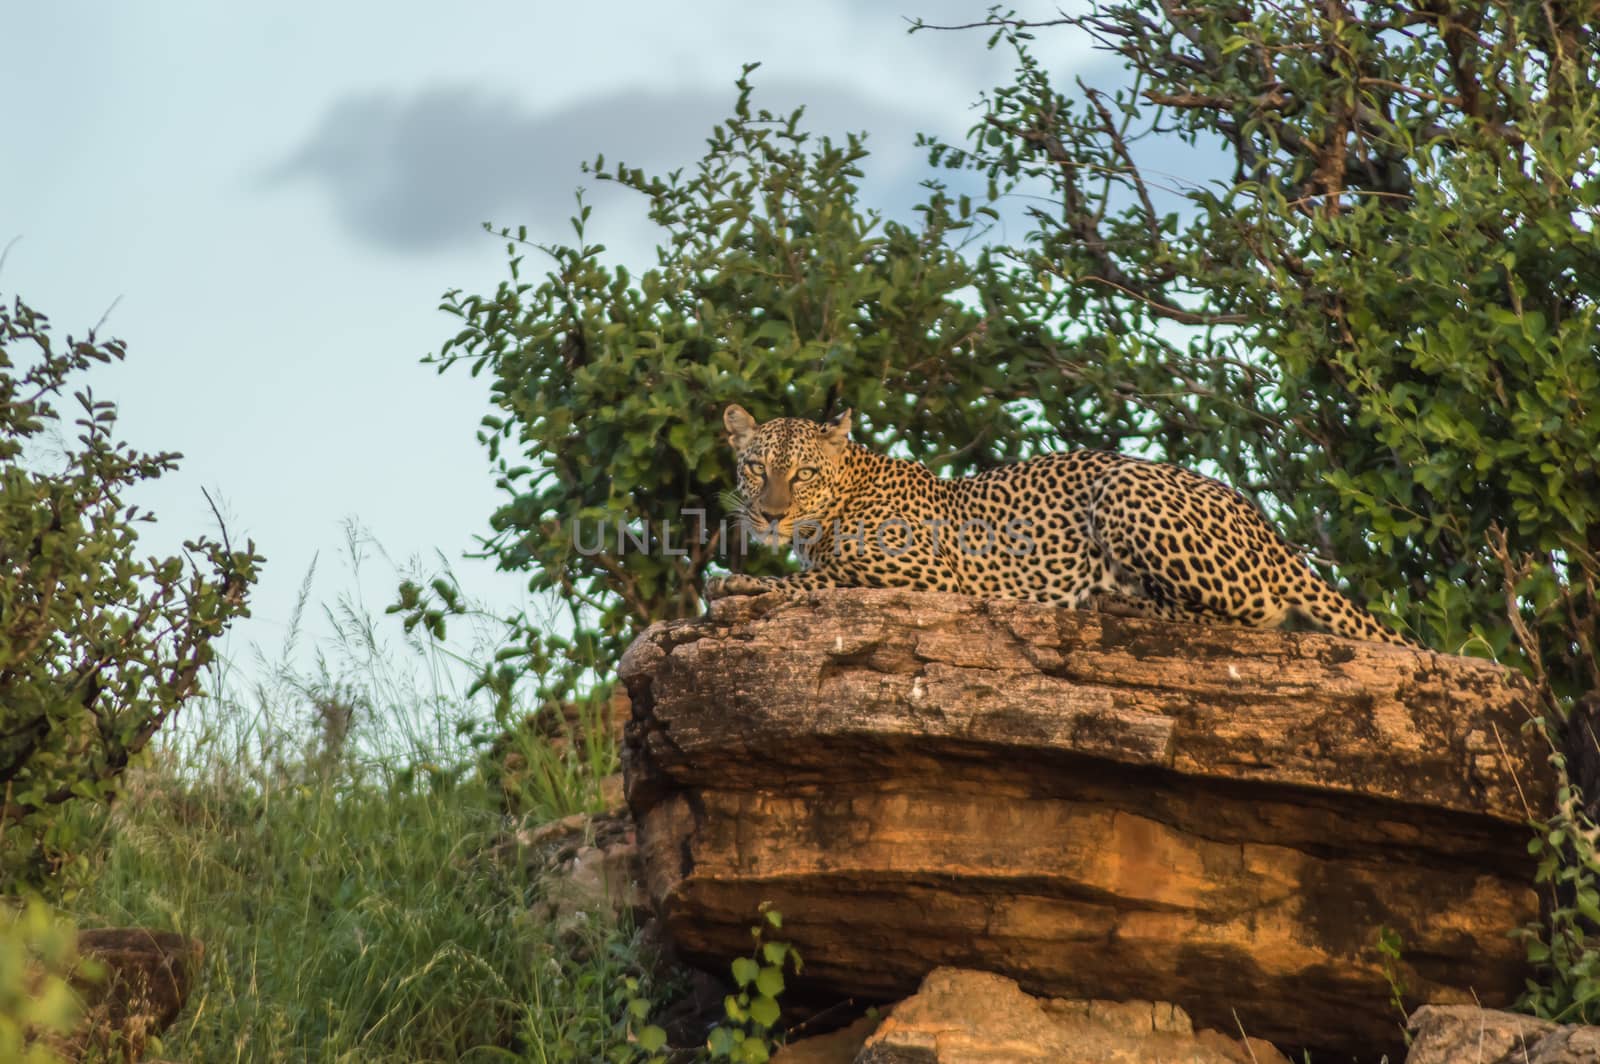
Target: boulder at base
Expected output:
[963,1017]
[1098,807]
[1464,1033]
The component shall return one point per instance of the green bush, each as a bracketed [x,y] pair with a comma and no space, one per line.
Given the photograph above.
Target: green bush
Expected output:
[38,958]
[1383,327]
[98,647]
[355,916]
[1386,322]
[359,888]
[774,288]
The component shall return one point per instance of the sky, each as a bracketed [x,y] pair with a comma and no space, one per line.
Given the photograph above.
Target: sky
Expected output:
[267,202]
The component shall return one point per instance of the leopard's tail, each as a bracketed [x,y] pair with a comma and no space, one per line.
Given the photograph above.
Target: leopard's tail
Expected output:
[1319,602]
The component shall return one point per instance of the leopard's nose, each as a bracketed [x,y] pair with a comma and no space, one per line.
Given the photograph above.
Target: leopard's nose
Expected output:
[772,518]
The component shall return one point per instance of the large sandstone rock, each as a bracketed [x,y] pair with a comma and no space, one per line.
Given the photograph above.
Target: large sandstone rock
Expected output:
[1453,1034]
[1096,806]
[964,1017]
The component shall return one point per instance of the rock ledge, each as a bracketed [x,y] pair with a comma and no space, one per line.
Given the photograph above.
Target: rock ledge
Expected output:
[1097,807]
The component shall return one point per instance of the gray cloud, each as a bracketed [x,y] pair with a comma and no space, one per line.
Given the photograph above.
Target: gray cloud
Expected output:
[415,173]
[418,172]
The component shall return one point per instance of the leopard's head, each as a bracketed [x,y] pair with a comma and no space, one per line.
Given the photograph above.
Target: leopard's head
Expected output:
[789,470]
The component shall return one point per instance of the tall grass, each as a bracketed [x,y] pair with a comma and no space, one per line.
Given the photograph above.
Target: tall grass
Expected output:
[326,831]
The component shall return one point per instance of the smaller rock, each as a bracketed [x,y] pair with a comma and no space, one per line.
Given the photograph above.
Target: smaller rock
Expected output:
[597,880]
[1446,1034]
[147,976]
[611,793]
[576,824]
[835,1047]
[966,1017]
[542,845]
[588,865]
[536,840]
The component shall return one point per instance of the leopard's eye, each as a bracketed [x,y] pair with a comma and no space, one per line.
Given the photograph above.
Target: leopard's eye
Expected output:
[755,468]
[805,473]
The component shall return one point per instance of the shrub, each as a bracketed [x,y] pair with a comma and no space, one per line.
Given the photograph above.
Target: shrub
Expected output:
[774,287]
[98,647]
[1384,327]
[1390,313]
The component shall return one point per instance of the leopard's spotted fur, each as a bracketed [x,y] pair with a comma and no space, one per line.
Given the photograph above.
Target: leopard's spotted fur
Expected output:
[1081,529]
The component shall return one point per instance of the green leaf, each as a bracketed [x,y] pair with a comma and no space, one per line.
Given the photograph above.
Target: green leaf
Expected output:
[764,1010]
[720,1043]
[770,981]
[745,971]
[753,1052]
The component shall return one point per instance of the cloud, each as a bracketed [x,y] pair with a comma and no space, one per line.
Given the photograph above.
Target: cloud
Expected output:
[417,172]
[420,172]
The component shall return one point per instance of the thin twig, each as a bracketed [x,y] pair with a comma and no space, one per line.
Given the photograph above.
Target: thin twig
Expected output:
[5,251]
[95,331]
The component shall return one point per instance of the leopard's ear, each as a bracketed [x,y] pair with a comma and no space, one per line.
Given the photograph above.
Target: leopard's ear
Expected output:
[740,425]
[836,432]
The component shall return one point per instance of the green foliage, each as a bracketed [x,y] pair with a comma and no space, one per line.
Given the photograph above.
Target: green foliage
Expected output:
[1390,948]
[1383,327]
[1385,324]
[1389,314]
[98,647]
[353,886]
[1562,945]
[643,1041]
[38,956]
[752,1010]
[350,917]
[553,770]
[774,288]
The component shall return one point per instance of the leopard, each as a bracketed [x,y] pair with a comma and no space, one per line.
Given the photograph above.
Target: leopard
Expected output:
[1081,529]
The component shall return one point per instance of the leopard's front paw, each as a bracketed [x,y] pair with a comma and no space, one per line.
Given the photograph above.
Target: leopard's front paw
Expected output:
[735,584]
[1117,605]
